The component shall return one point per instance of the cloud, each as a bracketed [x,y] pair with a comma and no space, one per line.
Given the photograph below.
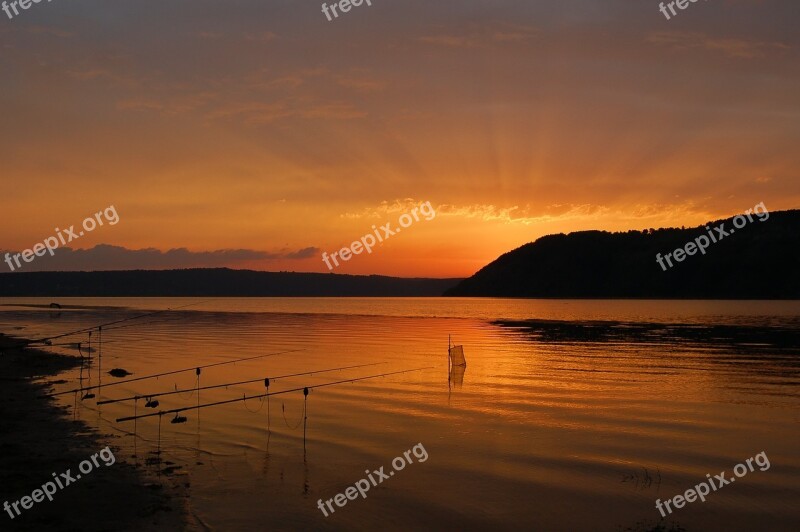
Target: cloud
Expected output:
[333,111]
[305,253]
[55,32]
[209,34]
[383,209]
[450,41]
[738,48]
[483,37]
[265,36]
[172,105]
[107,257]
[263,113]
[529,215]
[361,84]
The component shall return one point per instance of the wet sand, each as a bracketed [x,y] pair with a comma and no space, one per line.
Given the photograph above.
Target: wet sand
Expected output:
[38,438]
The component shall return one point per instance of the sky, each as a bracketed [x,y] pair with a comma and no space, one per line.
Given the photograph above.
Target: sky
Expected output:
[258,134]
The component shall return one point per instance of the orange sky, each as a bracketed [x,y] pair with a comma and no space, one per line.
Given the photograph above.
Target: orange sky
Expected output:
[262,127]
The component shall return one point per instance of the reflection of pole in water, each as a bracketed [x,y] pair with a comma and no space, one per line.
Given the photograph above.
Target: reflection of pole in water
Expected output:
[88,388]
[158,452]
[305,422]
[197,453]
[269,429]
[266,456]
[449,367]
[197,372]
[305,418]
[269,432]
[306,484]
[99,364]
[135,453]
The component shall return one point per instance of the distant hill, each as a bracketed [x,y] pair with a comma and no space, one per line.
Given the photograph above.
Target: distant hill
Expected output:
[761,260]
[216,282]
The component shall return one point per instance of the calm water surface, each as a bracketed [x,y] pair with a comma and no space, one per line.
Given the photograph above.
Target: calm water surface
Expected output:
[547,429]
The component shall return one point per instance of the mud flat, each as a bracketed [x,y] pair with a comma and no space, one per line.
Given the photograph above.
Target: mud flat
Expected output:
[39,438]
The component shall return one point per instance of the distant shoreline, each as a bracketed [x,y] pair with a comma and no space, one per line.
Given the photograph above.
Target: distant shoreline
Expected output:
[215,282]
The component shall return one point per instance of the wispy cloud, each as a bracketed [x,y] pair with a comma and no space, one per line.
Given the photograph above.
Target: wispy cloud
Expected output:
[530,215]
[55,32]
[383,209]
[107,257]
[263,113]
[264,36]
[483,37]
[738,48]
[361,84]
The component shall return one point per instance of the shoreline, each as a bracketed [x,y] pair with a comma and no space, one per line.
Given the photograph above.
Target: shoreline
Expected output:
[40,438]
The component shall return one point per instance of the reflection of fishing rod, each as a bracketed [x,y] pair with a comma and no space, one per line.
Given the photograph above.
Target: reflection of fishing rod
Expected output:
[244,398]
[151,395]
[193,368]
[87,329]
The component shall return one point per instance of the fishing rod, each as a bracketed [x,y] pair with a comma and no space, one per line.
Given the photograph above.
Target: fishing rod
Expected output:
[193,368]
[157,320]
[151,395]
[244,398]
[87,329]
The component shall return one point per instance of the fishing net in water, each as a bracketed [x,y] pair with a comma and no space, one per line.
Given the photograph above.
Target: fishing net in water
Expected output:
[457,356]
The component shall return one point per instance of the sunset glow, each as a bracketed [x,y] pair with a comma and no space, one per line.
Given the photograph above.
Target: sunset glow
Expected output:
[263,127]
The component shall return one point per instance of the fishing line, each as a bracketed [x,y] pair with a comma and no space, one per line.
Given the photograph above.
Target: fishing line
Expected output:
[184,370]
[261,406]
[159,320]
[283,409]
[226,385]
[229,401]
[85,329]
[191,391]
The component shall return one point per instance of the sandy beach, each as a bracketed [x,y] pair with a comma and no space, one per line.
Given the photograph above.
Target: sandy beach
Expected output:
[38,438]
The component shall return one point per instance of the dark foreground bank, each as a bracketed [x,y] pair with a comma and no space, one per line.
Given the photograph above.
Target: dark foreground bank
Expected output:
[39,438]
